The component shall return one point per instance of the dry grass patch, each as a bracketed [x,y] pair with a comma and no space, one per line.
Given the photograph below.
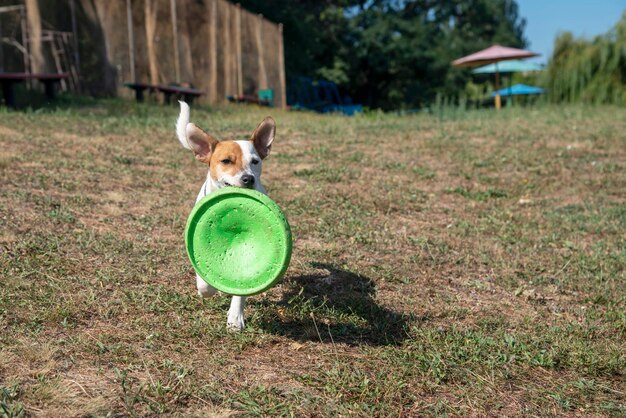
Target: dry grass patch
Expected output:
[463,264]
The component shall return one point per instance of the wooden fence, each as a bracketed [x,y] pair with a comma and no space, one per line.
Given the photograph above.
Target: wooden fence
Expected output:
[214,45]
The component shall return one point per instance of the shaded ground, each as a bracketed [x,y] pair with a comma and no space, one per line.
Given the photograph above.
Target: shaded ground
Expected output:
[468,264]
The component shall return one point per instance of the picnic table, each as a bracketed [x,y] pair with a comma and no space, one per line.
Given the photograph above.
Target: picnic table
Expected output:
[187,93]
[9,79]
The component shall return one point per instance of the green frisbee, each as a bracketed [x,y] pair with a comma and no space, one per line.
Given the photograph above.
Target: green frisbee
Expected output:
[238,241]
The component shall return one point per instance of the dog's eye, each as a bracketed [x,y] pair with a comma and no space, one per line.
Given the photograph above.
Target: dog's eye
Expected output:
[226,161]
[255,161]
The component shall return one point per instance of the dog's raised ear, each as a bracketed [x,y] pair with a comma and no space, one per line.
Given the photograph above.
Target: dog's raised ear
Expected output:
[263,136]
[201,143]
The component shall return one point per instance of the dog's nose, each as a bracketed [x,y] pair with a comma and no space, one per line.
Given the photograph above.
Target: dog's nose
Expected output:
[247,180]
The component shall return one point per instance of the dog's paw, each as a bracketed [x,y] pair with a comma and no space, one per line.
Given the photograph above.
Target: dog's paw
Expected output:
[235,324]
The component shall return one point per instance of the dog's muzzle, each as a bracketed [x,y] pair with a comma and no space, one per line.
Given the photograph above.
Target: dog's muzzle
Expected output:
[247,180]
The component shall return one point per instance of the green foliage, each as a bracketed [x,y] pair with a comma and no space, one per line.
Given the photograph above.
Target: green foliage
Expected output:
[391,54]
[589,71]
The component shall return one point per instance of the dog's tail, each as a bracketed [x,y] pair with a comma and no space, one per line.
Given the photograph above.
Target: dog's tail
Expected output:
[181,124]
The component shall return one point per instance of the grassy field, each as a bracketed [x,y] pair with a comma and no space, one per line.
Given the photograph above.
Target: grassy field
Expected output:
[459,263]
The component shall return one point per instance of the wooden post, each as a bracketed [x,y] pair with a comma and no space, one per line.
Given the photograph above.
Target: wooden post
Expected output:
[213,52]
[150,25]
[150,22]
[175,40]
[187,70]
[131,41]
[227,57]
[238,42]
[262,81]
[25,41]
[75,45]
[34,35]
[281,68]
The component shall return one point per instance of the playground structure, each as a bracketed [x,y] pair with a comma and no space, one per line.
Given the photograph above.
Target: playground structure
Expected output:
[211,45]
[28,48]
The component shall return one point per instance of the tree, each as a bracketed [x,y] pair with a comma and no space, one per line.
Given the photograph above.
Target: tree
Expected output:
[589,71]
[391,53]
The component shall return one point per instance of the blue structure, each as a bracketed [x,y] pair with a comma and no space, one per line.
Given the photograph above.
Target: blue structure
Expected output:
[320,96]
[518,90]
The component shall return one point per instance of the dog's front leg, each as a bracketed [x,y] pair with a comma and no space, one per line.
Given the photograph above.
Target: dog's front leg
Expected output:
[235,313]
[204,290]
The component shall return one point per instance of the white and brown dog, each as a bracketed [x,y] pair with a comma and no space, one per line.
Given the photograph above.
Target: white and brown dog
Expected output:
[231,163]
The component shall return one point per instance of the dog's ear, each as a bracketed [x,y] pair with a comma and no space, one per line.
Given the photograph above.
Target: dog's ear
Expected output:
[201,143]
[263,136]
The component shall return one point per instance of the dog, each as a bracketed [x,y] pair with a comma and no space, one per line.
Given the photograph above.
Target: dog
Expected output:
[231,163]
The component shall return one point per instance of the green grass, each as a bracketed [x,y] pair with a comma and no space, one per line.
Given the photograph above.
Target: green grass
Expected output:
[463,263]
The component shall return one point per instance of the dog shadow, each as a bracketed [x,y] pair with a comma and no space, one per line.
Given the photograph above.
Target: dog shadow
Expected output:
[334,307]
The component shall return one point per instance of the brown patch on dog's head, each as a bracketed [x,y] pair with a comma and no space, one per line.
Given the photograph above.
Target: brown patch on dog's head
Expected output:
[227,158]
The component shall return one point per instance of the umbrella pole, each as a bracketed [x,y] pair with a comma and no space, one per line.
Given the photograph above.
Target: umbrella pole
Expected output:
[497,87]
[509,99]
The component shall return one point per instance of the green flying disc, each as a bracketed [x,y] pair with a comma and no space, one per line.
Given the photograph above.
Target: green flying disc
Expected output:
[238,241]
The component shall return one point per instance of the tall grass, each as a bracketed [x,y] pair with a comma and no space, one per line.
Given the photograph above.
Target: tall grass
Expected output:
[587,71]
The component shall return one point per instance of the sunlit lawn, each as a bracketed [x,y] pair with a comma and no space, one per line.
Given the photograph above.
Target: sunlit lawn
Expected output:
[468,263]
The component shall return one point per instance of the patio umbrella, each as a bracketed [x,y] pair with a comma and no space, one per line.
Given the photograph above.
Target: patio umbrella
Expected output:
[518,90]
[491,55]
[513,66]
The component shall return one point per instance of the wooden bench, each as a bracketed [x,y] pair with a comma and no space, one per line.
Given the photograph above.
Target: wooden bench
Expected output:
[187,93]
[9,79]
[248,99]
[139,89]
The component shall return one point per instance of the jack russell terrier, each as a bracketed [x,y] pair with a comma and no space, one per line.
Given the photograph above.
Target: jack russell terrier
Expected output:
[231,163]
